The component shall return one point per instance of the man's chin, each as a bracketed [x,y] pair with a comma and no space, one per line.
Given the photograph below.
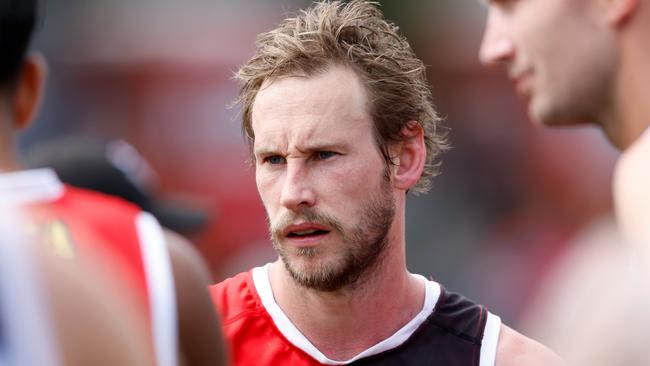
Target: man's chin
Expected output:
[307,266]
[547,117]
[315,274]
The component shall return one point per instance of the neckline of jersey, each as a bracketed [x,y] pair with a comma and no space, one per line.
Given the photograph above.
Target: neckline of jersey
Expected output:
[29,186]
[262,284]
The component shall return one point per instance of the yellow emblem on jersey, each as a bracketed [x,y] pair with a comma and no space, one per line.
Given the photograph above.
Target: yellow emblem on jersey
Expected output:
[55,235]
[59,238]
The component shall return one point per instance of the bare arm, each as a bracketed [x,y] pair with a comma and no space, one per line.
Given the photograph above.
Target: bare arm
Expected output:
[201,342]
[90,321]
[515,349]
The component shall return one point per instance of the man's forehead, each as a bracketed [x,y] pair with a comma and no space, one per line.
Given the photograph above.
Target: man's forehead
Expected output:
[309,131]
[314,127]
[307,140]
[329,96]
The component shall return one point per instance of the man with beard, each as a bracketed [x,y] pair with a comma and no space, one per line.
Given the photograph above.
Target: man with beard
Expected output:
[339,116]
[584,61]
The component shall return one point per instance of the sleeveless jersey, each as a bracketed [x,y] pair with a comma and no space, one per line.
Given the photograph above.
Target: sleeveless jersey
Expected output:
[449,330]
[110,233]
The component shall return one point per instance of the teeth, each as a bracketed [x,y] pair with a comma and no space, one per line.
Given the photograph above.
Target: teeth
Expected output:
[305,232]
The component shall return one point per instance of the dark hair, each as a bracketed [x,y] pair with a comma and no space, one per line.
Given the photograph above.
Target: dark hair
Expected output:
[17,21]
[357,35]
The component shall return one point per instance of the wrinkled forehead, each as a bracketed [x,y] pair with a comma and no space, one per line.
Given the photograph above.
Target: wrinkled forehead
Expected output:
[308,106]
[337,89]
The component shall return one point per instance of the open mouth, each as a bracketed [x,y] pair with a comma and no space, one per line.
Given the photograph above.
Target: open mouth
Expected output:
[310,233]
[306,233]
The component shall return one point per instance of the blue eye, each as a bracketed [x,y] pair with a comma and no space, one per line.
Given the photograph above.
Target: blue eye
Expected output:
[274,160]
[323,155]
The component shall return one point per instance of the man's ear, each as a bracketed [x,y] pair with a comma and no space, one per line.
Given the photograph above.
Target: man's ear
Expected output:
[410,156]
[29,90]
[618,12]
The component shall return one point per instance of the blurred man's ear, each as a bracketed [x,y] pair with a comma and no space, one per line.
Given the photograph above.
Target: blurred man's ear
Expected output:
[29,90]
[619,11]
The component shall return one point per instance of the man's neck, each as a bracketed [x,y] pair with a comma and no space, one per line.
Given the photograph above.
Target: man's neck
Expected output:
[8,158]
[634,118]
[631,117]
[343,323]
[8,162]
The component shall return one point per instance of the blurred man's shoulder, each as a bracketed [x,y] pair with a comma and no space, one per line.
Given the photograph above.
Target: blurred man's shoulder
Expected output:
[96,203]
[517,349]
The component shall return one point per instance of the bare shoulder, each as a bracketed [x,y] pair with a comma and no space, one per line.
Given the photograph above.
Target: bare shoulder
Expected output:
[201,341]
[87,317]
[631,194]
[186,261]
[515,349]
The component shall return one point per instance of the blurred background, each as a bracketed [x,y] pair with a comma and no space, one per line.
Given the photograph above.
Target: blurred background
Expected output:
[158,73]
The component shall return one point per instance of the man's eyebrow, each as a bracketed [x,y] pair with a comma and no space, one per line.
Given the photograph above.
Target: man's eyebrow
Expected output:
[324,146]
[264,150]
[306,148]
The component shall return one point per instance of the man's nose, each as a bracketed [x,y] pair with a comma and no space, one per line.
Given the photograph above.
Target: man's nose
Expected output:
[297,190]
[497,48]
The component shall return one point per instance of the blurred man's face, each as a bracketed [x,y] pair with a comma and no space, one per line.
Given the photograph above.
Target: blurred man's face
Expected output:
[558,54]
[321,177]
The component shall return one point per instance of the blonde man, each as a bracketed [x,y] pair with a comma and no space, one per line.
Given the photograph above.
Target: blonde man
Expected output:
[339,117]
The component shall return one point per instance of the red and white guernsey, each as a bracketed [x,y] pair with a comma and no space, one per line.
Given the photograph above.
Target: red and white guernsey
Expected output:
[116,235]
[449,330]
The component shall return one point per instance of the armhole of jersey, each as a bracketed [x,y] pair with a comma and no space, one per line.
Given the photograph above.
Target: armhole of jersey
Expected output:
[490,340]
[160,284]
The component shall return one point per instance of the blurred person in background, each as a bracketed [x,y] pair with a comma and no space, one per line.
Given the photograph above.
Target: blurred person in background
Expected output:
[114,167]
[577,62]
[582,62]
[339,117]
[53,313]
[593,307]
[123,246]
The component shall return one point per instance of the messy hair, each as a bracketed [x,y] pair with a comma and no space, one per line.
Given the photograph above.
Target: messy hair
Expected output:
[17,22]
[354,34]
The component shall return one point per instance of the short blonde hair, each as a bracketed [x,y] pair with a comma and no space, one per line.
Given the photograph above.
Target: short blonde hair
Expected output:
[353,34]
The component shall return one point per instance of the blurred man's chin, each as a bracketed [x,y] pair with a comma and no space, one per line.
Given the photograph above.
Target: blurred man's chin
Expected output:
[554,117]
[563,122]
